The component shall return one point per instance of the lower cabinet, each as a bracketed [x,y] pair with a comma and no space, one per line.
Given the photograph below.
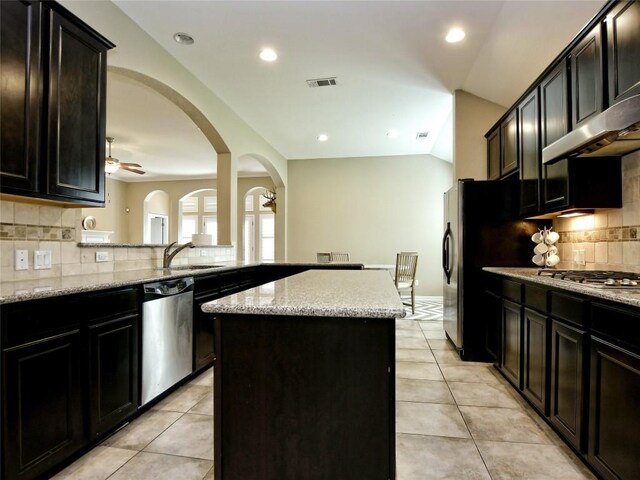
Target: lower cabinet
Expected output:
[511,364]
[66,379]
[113,379]
[43,404]
[568,397]
[493,326]
[535,377]
[614,416]
[204,352]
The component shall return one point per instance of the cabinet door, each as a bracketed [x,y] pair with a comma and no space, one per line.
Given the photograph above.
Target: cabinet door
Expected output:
[511,364]
[113,385]
[509,134]
[586,78]
[567,383]
[203,336]
[623,35]
[554,108]
[42,398]
[76,113]
[530,160]
[535,376]
[20,95]
[493,326]
[493,155]
[614,416]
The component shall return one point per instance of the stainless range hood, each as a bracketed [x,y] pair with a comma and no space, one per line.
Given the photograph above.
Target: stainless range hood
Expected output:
[614,132]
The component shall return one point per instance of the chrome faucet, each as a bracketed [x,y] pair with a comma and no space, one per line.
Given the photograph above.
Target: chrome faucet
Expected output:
[167,257]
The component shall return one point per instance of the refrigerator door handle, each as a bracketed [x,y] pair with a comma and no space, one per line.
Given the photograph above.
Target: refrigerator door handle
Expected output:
[445,253]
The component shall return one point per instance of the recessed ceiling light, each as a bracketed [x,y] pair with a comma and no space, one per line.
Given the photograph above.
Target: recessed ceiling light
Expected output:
[323,137]
[393,134]
[455,35]
[183,38]
[268,55]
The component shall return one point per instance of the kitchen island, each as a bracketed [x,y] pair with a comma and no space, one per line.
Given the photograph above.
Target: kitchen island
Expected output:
[304,378]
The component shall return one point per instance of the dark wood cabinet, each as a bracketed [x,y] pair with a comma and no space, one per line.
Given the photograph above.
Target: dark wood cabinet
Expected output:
[113,382]
[567,410]
[205,290]
[614,417]
[53,99]
[623,59]
[528,126]
[67,380]
[493,154]
[493,326]
[511,365]
[586,78]
[20,95]
[43,404]
[554,110]
[535,375]
[509,144]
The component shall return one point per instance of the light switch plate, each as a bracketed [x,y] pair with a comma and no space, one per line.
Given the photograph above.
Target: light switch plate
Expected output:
[42,260]
[22,260]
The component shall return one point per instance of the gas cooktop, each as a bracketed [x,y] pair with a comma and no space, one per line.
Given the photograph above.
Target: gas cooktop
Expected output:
[596,278]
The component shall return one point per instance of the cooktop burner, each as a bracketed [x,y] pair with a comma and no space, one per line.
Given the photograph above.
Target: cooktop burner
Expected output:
[595,278]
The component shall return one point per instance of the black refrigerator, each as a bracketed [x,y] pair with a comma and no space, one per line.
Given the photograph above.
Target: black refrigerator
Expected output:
[481,229]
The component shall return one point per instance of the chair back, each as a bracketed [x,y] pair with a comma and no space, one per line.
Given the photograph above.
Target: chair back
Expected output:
[406,264]
[339,257]
[323,257]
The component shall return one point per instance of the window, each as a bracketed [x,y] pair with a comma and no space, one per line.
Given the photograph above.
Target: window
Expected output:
[210,227]
[189,204]
[188,227]
[267,237]
[248,203]
[211,204]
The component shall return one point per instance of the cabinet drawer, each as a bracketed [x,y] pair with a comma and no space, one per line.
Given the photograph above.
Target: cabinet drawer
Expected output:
[620,325]
[568,308]
[28,321]
[493,283]
[206,286]
[512,290]
[102,305]
[536,298]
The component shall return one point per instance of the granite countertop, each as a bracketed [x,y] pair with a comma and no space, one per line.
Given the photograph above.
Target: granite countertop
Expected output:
[629,297]
[320,293]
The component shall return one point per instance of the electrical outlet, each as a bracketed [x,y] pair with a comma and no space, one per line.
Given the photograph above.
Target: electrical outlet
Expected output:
[42,260]
[203,252]
[22,259]
[579,257]
[102,257]
[417,282]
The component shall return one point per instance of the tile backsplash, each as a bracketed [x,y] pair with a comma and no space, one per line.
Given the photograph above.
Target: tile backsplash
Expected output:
[57,229]
[609,238]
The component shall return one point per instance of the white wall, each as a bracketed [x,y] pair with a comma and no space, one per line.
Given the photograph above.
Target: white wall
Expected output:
[472,118]
[372,208]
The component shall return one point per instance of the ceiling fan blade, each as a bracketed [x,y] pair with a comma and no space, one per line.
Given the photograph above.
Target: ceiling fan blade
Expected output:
[128,164]
[131,169]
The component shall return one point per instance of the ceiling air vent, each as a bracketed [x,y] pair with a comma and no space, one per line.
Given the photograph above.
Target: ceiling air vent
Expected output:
[322,82]
[422,135]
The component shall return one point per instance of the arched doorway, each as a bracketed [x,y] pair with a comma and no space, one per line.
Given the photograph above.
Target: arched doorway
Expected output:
[258,228]
[198,215]
[156,218]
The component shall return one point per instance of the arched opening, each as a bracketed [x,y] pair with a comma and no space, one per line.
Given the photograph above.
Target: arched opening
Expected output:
[197,217]
[258,227]
[156,210]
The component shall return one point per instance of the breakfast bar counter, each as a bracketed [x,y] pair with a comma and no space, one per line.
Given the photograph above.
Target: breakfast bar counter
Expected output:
[304,377]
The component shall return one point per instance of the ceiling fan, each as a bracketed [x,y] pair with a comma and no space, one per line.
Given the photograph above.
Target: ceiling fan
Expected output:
[113,164]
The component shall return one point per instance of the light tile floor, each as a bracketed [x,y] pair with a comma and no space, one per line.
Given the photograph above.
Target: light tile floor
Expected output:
[454,420]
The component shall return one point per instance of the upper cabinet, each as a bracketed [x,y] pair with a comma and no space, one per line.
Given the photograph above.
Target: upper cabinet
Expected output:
[623,40]
[53,96]
[600,67]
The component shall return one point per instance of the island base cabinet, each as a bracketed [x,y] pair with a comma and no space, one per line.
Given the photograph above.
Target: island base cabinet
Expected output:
[42,398]
[304,398]
[614,418]
[567,411]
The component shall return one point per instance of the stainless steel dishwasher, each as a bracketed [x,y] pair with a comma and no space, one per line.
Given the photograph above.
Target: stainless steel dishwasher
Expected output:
[167,335]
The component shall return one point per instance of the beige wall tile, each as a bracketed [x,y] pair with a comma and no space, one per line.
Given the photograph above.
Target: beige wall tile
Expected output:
[6,211]
[26,214]
[50,216]
[6,253]
[601,252]
[600,218]
[89,268]
[614,218]
[68,218]
[6,274]
[631,253]
[120,254]
[105,267]
[88,255]
[614,252]
[631,213]
[69,253]
[71,269]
